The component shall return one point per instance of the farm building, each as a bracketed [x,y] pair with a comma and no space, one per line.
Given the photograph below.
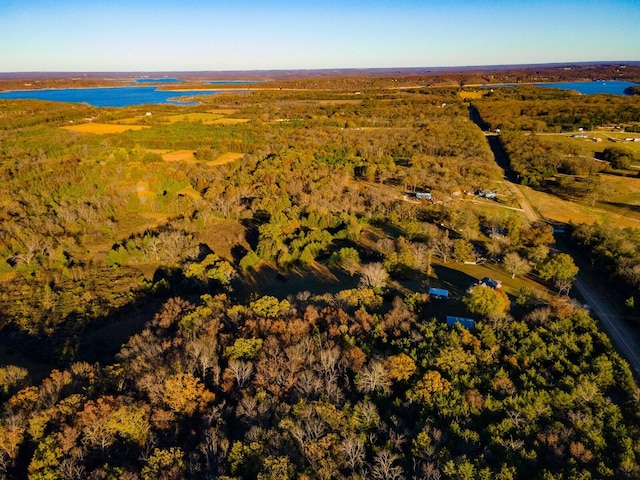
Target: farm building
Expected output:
[439,292]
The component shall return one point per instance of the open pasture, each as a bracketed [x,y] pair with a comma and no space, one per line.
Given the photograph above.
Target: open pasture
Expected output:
[551,207]
[130,120]
[223,111]
[229,121]
[204,117]
[103,128]
[186,156]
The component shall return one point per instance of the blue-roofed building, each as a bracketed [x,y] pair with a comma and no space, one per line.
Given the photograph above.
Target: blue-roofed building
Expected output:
[439,292]
[467,323]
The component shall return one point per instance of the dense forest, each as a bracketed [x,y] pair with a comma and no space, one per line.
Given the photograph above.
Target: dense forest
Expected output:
[239,289]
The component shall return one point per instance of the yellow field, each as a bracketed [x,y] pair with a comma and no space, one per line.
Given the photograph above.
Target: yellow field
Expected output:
[227,158]
[229,121]
[187,156]
[103,128]
[224,111]
[179,156]
[206,118]
[471,95]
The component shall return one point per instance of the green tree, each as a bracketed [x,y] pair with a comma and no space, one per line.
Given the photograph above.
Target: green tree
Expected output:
[486,301]
[619,158]
[346,258]
[164,464]
[212,268]
[559,268]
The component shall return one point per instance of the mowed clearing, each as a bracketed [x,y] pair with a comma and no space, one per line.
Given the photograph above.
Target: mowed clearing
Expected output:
[207,118]
[551,207]
[103,128]
[188,156]
[227,158]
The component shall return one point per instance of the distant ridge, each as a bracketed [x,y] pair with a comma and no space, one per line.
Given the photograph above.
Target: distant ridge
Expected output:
[322,72]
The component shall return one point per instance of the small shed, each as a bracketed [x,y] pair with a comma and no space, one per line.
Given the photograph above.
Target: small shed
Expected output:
[439,292]
[467,323]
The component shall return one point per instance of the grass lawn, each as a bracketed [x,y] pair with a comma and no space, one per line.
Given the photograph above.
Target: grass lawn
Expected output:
[609,139]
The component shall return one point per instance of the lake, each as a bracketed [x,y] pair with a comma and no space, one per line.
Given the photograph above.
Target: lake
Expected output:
[613,87]
[107,96]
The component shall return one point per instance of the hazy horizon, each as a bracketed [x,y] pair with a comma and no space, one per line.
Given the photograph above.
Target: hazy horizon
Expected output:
[196,35]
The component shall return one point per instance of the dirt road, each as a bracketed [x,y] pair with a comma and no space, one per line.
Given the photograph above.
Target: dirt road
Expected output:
[617,330]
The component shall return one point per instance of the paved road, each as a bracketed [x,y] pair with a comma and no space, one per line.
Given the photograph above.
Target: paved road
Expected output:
[617,330]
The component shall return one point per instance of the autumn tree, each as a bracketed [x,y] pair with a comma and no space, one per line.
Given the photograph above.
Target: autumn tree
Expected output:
[185,394]
[486,301]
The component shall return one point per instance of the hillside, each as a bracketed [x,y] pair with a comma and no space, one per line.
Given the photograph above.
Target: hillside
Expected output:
[240,288]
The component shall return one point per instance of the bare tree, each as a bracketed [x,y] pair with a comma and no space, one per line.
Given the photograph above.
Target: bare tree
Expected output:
[373,275]
[373,377]
[383,468]
[354,452]
[240,370]
[516,265]
[444,247]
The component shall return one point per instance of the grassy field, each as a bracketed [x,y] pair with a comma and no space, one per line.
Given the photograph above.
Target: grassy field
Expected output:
[186,156]
[556,209]
[229,121]
[227,158]
[103,128]
[207,118]
[609,139]
[224,111]
[130,120]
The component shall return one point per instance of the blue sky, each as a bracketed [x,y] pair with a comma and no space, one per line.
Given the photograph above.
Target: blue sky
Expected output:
[166,35]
